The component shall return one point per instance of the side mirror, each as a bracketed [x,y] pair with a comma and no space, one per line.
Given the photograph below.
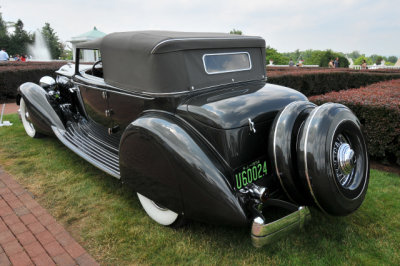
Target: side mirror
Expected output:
[46,82]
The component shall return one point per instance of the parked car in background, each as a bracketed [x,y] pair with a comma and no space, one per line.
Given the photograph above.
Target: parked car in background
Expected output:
[188,121]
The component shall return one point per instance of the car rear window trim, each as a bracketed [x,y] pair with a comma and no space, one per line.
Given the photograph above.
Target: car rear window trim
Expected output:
[226,71]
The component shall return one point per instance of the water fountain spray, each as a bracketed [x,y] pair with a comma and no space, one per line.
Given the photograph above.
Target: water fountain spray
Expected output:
[39,50]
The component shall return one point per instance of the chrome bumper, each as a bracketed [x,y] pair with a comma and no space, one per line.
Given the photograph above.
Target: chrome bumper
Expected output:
[263,234]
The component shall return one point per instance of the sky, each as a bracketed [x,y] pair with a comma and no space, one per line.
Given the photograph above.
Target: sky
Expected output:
[371,27]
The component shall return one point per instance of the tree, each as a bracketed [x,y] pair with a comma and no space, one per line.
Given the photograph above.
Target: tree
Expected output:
[67,52]
[306,55]
[237,32]
[296,55]
[278,58]
[392,59]
[19,39]
[360,59]
[52,41]
[379,59]
[315,58]
[322,58]
[4,38]
[354,55]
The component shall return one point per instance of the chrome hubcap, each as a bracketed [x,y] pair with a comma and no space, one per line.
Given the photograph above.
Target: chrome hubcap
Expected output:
[345,158]
[344,161]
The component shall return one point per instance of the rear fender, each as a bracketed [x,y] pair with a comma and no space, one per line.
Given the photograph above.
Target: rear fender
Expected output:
[161,158]
[41,112]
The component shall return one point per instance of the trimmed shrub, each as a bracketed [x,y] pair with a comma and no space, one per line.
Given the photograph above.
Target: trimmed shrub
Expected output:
[378,108]
[319,81]
[328,55]
[13,74]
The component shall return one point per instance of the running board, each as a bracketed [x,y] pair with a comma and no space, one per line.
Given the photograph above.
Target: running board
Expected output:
[102,155]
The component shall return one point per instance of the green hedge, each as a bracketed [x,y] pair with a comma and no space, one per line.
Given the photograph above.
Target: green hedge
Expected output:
[319,83]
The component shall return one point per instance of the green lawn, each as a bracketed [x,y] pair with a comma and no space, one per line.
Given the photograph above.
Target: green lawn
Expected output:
[107,219]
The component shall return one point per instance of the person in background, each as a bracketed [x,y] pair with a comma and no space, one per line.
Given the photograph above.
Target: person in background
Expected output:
[336,63]
[364,65]
[291,63]
[3,55]
[330,64]
[16,58]
[23,58]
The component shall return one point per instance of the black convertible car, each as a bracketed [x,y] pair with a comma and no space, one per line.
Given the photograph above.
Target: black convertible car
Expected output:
[188,121]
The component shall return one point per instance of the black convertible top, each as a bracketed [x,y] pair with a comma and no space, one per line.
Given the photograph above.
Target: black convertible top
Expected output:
[160,61]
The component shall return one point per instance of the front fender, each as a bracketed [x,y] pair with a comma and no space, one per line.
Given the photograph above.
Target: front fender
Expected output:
[164,160]
[42,113]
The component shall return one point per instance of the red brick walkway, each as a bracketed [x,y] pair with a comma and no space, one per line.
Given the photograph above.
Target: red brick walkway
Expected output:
[29,235]
[10,108]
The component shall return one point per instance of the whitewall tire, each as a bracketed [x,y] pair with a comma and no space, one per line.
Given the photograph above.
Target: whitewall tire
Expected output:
[26,122]
[158,213]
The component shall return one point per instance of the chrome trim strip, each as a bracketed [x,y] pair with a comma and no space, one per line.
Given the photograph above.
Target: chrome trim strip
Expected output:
[80,99]
[91,77]
[156,94]
[225,84]
[226,71]
[113,91]
[209,38]
[59,134]
[305,157]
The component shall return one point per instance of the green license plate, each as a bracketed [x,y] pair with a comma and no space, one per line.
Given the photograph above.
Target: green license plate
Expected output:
[250,173]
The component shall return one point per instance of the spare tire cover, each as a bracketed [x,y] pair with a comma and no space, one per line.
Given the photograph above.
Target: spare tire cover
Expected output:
[332,159]
[282,149]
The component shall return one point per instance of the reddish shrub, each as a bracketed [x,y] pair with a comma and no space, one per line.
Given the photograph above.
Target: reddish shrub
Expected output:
[316,81]
[13,74]
[277,71]
[378,108]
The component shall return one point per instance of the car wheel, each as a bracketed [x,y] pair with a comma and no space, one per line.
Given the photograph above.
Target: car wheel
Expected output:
[282,149]
[159,213]
[26,121]
[333,160]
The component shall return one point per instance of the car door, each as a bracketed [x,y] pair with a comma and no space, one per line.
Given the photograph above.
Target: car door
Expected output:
[94,97]
[125,108]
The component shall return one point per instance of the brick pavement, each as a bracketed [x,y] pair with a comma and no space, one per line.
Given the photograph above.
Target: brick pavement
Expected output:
[10,108]
[29,235]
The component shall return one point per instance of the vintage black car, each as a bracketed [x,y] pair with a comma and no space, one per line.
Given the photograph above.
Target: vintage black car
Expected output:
[188,121]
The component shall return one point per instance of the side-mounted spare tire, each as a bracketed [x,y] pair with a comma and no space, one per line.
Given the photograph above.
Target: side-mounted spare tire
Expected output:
[282,149]
[320,157]
[332,159]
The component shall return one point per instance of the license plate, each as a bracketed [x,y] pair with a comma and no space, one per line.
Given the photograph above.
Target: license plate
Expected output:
[250,173]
